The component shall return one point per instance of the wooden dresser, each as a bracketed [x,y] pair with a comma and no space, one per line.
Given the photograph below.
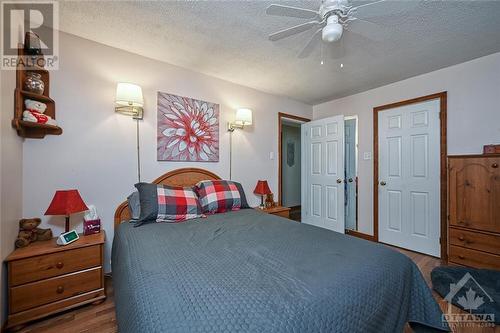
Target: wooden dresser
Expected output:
[44,278]
[474,211]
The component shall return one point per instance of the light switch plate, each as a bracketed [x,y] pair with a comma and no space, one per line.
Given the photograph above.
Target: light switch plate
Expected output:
[271,155]
[367,155]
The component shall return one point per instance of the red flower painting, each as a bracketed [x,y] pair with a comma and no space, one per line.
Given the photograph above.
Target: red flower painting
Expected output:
[188,129]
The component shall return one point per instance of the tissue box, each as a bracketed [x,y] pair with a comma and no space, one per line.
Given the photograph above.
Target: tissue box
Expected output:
[91,227]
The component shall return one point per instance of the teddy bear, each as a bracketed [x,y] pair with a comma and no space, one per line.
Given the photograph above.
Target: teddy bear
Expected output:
[35,113]
[29,232]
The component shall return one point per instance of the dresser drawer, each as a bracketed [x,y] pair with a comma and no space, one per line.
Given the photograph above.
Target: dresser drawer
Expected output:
[50,265]
[475,240]
[54,289]
[473,258]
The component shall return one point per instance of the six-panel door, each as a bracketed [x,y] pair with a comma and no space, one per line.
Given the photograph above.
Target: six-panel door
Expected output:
[409,177]
[323,173]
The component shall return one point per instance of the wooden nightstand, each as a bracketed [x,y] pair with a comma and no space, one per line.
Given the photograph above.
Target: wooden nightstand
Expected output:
[44,278]
[278,210]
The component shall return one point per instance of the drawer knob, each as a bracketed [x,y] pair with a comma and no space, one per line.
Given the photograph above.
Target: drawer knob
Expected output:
[60,289]
[461,256]
[494,165]
[461,238]
[60,265]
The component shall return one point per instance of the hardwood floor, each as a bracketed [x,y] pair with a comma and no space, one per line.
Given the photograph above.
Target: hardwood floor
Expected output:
[101,318]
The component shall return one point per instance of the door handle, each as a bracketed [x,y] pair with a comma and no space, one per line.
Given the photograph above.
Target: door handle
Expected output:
[382,183]
[350,180]
[339,181]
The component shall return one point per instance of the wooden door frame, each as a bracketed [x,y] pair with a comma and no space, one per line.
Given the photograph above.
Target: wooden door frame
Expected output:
[442,96]
[282,115]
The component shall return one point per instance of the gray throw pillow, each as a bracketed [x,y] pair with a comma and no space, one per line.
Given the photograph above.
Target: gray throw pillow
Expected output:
[134,206]
[244,203]
[148,198]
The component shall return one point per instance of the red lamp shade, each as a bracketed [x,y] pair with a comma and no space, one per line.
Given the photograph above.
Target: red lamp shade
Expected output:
[66,203]
[262,188]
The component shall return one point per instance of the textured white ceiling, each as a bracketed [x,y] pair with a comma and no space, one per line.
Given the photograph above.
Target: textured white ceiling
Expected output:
[228,40]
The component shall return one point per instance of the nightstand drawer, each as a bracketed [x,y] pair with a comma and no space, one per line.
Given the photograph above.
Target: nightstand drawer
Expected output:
[285,214]
[50,265]
[54,289]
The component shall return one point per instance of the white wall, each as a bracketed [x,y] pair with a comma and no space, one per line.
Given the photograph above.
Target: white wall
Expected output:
[291,174]
[10,180]
[473,114]
[96,153]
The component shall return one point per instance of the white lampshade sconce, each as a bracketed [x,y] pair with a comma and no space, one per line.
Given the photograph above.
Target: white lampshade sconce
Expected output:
[242,118]
[129,101]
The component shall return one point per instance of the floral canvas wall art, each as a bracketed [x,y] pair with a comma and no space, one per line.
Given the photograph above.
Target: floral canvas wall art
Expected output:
[188,129]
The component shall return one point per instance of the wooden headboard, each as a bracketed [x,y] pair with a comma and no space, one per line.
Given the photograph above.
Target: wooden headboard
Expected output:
[179,177]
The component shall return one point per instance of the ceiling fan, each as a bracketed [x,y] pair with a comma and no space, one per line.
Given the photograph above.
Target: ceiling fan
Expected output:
[333,19]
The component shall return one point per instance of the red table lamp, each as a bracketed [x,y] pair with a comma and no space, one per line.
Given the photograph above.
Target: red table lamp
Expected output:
[262,188]
[65,203]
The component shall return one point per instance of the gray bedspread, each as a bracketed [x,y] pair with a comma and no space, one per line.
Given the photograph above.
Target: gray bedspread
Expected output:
[247,271]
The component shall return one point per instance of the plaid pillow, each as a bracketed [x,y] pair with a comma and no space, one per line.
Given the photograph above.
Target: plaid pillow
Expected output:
[218,196]
[177,204]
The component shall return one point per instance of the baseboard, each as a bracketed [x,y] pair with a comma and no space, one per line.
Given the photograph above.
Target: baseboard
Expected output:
[360,235]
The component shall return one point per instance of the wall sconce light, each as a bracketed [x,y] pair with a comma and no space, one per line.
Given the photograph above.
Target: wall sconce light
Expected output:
[243,118]
[129,100]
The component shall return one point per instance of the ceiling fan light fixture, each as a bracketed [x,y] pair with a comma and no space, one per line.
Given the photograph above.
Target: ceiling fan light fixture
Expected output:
[333,30]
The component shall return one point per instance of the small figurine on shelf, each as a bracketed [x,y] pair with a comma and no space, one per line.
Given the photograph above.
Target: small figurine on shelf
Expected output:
[32,45]
[33,50]
[270,201]
[34,83]
[35,113]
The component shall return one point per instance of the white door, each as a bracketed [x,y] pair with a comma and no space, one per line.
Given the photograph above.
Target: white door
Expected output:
[323,173]
[409,177]
[350,174]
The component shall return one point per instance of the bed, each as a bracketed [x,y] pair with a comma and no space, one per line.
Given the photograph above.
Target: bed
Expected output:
[246,271]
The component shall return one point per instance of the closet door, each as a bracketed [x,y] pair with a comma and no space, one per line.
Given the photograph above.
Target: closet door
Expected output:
[409,177]
[475,193]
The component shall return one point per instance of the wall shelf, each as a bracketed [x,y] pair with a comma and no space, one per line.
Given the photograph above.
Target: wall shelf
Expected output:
[27,129]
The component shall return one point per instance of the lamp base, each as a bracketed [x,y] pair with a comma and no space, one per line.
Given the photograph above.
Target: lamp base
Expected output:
[66,227]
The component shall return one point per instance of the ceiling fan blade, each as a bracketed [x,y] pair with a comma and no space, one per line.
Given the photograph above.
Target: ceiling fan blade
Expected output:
[369,4]
[281,10]
[366,29]
[313,41]
[293,30]
[383,8]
